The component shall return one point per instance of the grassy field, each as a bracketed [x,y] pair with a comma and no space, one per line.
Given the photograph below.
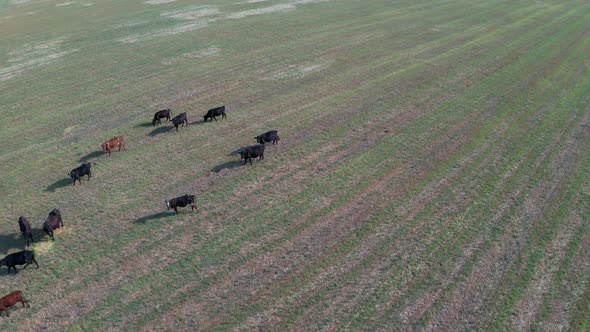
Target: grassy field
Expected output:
[432,173]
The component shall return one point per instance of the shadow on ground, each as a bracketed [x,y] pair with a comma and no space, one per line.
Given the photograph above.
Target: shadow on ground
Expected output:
[91,155]
[144,125]
[10,242]
[196,122]
[160,130]
[155,216]
[59,184]
[229,164]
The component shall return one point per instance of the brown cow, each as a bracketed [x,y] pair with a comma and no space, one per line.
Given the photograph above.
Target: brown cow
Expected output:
[11,300]
[113,143]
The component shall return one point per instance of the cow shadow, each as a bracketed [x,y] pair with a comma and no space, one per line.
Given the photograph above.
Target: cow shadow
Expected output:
[158,215]
[196,122]
[59,184]
[9,242]
[229,164]
[144,125]
[91,155]
[160,130]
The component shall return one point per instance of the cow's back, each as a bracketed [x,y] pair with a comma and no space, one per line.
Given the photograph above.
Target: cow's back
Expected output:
[24,225]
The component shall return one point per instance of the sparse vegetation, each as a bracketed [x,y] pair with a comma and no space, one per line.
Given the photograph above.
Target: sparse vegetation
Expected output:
[432,170]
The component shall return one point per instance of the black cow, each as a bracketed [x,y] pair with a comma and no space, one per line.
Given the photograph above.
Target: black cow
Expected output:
[181,201]
[19,258]
[78,172]
[217,111]
[52,223]
[180,119]
[25,229]
[163,114]
[269,136]
[252,151]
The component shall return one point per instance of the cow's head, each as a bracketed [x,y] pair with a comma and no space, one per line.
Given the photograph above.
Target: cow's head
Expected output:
[167,204]
[153,122]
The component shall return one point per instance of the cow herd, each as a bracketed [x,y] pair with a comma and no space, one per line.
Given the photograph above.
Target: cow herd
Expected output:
[54,219]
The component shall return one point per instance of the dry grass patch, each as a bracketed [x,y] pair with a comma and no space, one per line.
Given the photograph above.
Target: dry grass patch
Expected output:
[282,8]
[201,53]
[166,32]
[192,13]
[299,71]
[158,2]
[34,55]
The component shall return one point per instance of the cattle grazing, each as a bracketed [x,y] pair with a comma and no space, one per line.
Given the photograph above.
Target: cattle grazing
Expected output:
[252,151]
[113,143]
[12,299]
[52,223]
[269,136]
[181,201]
[25,230]
[163,114]
[217,111]
[78,172]
[180,119]
[19,258]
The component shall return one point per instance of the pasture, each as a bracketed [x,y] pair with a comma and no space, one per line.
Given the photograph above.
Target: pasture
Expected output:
[432,173]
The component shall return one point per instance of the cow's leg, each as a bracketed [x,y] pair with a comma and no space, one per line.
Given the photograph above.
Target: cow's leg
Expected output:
[23,300]
[26,264]
[35,261]
[89,175]
[3,308]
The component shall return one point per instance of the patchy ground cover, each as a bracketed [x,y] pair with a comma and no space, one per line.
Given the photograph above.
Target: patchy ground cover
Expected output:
[431,172]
